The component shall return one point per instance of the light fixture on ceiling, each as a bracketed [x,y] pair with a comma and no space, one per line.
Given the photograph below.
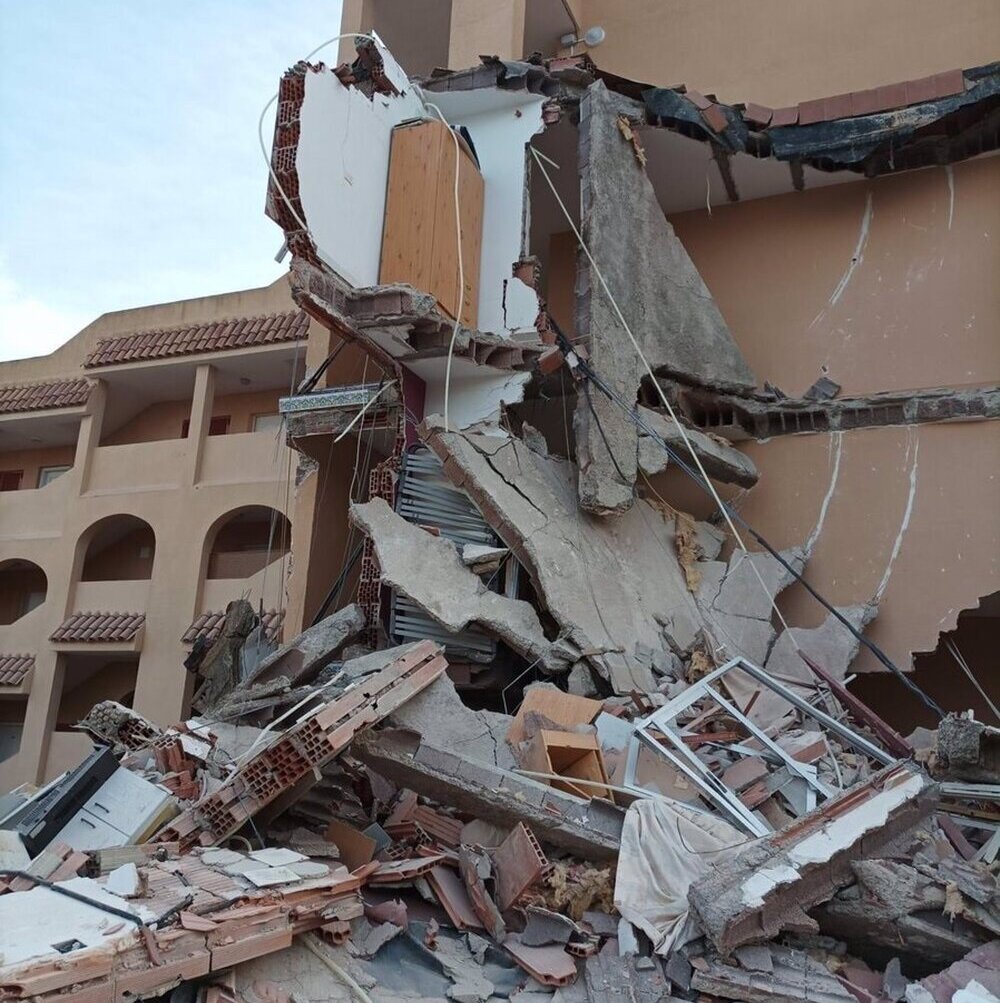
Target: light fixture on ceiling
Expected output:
[591,38]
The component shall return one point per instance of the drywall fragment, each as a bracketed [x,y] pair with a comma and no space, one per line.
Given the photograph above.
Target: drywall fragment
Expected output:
[658,289]
[595,577]
[769,886]
[589,829]
[967,750]
[547,927]
[428,570]
[305,655]
[722,462]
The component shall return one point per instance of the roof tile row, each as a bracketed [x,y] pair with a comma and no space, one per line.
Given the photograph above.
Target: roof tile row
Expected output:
[13,668]
[41,396]
[217,336]
[99,627]
[209,624]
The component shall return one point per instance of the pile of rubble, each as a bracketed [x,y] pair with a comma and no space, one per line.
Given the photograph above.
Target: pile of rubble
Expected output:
[338,824]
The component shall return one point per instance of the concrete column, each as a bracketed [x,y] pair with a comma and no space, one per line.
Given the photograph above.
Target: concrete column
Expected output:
[485,26]
[356,15]
[40,715]
[89,437]
[201,418]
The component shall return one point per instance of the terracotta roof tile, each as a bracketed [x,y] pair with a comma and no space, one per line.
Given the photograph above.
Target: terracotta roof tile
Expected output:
[41,396]
[99,627]
[208,625]
[243,332]
[758,114]
[785,116]
[13,668]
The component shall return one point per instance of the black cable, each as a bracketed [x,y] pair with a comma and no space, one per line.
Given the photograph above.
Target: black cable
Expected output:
[335,589]
[600,428]
[592,376]
[310,381]
[76,896]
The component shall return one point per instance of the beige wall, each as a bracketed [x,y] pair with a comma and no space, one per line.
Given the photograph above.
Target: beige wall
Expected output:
[919,308]
[165,419]
[770,51]
[31,461]
[779,53]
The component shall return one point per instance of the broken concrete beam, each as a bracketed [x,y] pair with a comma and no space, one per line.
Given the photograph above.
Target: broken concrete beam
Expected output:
[590,829]
[660,294]
[722,461]
[967,750]
[593,576]
[794,977]
[428,570]
[769,886]
[297,755]
[307,654]
[219,666]
[895,906]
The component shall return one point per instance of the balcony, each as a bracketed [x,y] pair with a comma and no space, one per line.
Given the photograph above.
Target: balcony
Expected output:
[35,513]
[138,467]
[245,458]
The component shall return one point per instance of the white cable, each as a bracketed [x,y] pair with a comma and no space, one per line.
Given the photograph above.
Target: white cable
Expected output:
[381,390]
[949,643]
[461,263]
[312,943]
[659,389]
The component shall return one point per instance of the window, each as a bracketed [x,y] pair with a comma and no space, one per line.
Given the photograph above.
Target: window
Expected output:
[32,600]
[266,422]
[10,480]
[218,425]
[46,475]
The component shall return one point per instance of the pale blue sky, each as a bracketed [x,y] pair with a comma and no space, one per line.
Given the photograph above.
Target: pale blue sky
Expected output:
[130,171]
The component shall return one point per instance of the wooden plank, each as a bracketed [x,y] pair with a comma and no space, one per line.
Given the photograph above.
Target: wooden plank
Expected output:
[419,243]
[408,232]
[564,709]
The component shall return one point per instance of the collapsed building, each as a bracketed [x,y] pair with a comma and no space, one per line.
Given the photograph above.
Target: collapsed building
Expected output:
[613,691]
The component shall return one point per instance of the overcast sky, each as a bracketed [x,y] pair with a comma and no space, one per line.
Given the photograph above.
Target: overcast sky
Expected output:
[130,170]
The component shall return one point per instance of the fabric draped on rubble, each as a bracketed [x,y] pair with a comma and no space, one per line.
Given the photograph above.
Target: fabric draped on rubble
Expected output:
[665,848]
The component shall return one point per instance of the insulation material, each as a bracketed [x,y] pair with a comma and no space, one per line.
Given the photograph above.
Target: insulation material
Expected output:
[665,848]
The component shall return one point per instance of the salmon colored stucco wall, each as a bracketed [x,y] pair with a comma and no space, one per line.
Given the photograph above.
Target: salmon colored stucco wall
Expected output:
[30,461]
[920,306]
[779,53]
[774,52]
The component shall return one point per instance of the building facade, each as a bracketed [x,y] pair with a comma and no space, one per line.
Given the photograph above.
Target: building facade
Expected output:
[146,484]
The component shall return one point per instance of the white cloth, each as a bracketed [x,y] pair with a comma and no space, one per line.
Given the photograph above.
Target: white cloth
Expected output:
[665,848]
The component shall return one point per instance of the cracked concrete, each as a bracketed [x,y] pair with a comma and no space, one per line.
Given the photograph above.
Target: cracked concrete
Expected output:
[592,575]
[661,295]
[473,734]
[722,462]
[428,570]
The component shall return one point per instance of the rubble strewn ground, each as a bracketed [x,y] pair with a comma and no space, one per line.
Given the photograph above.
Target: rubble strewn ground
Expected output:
[445,861]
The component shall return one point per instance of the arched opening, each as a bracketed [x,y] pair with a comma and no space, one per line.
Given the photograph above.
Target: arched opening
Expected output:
[120,548]
[245,541]
[23,587]
[959,674]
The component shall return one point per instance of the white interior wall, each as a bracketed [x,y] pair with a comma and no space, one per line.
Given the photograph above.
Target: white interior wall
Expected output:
[500,123]
[343,167]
